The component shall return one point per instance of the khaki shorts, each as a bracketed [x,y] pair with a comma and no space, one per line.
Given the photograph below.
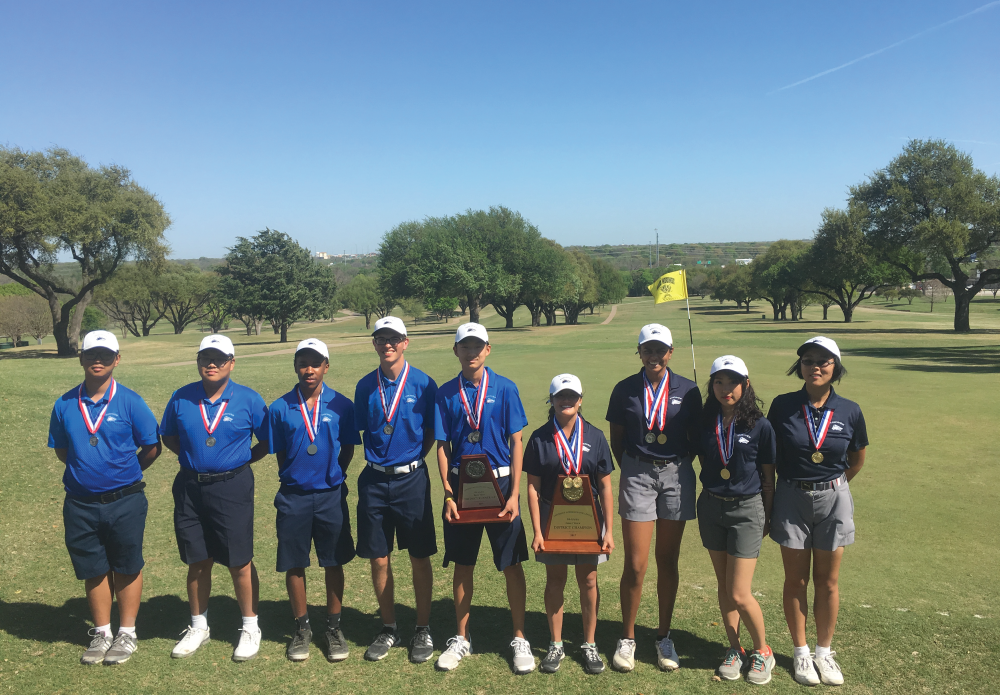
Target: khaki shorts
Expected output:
[647,492]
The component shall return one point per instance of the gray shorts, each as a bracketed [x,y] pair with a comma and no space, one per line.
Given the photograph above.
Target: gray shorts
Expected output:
[647,492]
[736,527]
[822,519]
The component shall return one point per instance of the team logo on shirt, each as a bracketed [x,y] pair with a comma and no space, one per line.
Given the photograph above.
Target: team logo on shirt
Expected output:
[743,439]
[411,399]
[111,418]
[228,418]
[586,447]
[491,399]
[675,401]
[837,426]
[327,418]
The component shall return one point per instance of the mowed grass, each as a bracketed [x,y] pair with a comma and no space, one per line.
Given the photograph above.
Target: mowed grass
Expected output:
[919,596]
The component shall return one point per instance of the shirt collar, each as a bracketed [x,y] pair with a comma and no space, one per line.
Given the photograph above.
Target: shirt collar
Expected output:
[88,399]
[671,385]
[468,384]
[227,393]
[325,397]
[831,400]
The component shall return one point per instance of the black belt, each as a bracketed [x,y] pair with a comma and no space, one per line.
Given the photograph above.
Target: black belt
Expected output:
[813,487]
[734,498]
[216,477]
[109,497]
[654,461]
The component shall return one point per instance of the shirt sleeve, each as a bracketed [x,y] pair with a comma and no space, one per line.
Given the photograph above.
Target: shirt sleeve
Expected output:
[58,438]
[441,423]
[692,405]
[516,419]
[532,462]
[430,398]
[348,434]
[258,412]
[772,413]
[144,429]
[605,463]
[616,406]
[767,449]
[860,438]
[275,430]
[168,425]
[360,406]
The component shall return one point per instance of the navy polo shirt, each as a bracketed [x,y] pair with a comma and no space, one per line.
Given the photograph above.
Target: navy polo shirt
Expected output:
[847,433]
[113,463]
[245,416]
[683,415]
[542,459]
[287,432]
[503,415]
[751,450]
[414,413]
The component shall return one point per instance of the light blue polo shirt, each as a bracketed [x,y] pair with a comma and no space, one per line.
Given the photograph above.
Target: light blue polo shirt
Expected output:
[287,431]
[503,415]
[113,463]
[245,416]
[414,413]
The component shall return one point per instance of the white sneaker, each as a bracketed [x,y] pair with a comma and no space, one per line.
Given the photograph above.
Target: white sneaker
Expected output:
[524,661]
[624,659]
[805,672]
[829,669]
[248,646]
[457,647]
[191,639]
[666,655]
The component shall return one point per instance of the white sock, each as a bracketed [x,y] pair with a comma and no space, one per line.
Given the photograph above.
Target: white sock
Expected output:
[104,629]
[801,651]
[250,623]
[130,631]
[200,621]
[822,651]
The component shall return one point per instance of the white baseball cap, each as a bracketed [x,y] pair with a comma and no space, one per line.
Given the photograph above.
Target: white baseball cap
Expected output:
[218,342]
[314,345]
[729,363]
[565,382]
[654,331]
[471,330]
[820,341]
[100,339]
[392,323]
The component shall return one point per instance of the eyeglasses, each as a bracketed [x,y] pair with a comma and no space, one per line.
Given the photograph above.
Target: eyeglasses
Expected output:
[811,363]
[210,360]
[393,341]
[102,356]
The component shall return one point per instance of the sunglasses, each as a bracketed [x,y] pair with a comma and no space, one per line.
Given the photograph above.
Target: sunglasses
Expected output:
[813,363]
[210,360]
[102,356]
[393,341]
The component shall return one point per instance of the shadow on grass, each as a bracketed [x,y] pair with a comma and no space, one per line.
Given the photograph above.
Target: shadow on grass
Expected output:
[964,359]
[807,327]
[31,355]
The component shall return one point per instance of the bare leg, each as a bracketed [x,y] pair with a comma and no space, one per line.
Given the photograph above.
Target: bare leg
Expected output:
[295,583]
[794,598]
[668,549]
[334,589]
[246,585]
[517,596]
[462,587]
[740,582]
[128,588]
[199,585]
[826,602]
[423,587]
[730,616]
[100,593]
[636,537]
[555,583]
[586,579]
[385,588]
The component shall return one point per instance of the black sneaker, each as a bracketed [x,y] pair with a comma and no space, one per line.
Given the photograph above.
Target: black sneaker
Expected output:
[550,664]
[384,641]
[298,648]
[421,646]
[592,663]
[336,644]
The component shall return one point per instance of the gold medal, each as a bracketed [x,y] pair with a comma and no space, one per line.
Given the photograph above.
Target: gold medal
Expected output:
[725,473]
[475,469]
[572,489]
[650,437]
[661,438]
[817,457]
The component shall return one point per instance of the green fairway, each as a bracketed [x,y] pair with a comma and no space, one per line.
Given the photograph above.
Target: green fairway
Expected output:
[919,590]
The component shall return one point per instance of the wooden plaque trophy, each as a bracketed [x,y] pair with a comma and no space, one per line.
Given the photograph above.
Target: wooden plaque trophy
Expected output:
[573,526]
[478,496]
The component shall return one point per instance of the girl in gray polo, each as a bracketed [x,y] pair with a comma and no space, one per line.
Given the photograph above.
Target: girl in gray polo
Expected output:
[821,440]
[736,450]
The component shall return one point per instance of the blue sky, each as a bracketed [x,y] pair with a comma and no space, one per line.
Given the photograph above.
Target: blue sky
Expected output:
[598,121]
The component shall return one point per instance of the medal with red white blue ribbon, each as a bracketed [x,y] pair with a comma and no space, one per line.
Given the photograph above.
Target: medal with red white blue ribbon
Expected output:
[475,419]
[726,443]
[817,432]
[654,407]
[210,427]
[389,409]
[571,458]
[92,427]
[311,422]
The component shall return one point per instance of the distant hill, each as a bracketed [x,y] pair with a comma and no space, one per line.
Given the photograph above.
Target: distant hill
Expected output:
[634,256]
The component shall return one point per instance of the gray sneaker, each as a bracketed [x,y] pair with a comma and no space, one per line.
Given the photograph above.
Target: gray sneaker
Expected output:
[524,662]
[759,672]
[336,645]
[298,648]
[121,649]
[384,641]
[555,655]
[732,665]
[421,646]
[99,646]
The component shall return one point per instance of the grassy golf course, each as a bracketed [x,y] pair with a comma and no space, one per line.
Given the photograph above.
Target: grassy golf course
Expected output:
[920,603]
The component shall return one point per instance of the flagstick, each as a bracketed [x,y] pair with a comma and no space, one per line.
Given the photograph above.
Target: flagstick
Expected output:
[691,335]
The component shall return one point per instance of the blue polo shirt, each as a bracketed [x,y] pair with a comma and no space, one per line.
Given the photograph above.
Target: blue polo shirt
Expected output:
[752,449]
[113,463]
[847,433]
[414,413]
[287,432]
[683,416]
[245,416]
[503,415]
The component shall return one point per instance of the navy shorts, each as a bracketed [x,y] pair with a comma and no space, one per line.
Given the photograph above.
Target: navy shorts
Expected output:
[395,505]
[462,541]
[214,520]
[105,537]
[313,516]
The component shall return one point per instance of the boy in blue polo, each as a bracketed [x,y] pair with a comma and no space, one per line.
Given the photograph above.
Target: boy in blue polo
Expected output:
[95,429]
[210,424]
[394,408]
[313,435]
[480,412]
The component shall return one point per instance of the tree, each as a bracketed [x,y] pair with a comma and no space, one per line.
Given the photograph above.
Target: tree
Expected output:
[412,306]
[611,285]
[216,315]
[735,283]
[931,212]
[12,319]
[908,293]
[183,292]
[442,307]
[53,203]
[841,266]
[581,290]
[361,295]
[545,281]
[271,277]
[129,298]
[776,276]
[642,278]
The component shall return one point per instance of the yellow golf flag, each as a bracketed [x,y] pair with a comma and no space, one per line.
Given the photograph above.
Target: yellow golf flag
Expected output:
[669,287]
